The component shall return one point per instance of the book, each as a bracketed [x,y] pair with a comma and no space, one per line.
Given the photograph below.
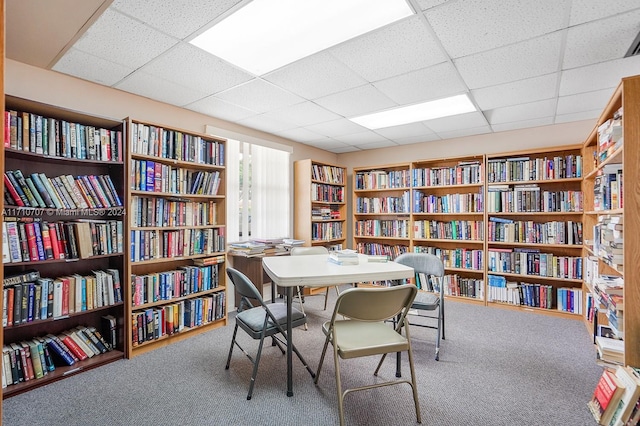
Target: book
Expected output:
[606,396]
[630,379]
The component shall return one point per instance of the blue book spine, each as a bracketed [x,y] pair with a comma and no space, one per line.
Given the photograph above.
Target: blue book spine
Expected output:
[57,349]
[31,302]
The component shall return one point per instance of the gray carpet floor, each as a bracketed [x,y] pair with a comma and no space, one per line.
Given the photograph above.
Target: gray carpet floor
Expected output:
[497,367]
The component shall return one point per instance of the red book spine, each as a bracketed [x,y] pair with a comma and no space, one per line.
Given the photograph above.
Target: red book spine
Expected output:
[7,129]
[31,241]
[73,347]
[53,240]
[13,192]
[65,296]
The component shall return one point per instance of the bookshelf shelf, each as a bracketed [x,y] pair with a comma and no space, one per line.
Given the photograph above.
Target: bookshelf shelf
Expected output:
[177,179]
[615,152]
[320,209]
[70,251]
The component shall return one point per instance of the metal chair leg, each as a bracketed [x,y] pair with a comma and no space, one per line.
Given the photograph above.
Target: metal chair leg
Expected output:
[255,368]
[233,342]
[301,305]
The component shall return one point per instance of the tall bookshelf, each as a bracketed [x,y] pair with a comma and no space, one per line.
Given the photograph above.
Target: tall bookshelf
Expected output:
[448,220]
[534,229]
[382,209]
[612,155]
[176,191]
[320,208]
[76,279]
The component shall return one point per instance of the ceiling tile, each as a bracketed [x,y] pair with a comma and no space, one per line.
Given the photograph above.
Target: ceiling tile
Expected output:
[113,30]
[88,67]
[588,10]
[428,4]
[336,128]
[472,26]
[358,101]
[375,145]
[156,88]
[526,59]
[438,81]
[596,42]
[329,144]
[181,19]
[205,72]
[266,124]
[417,139]
[404,131]
[525,124]
[393,50]
[259,95]
[345,149]
[583,102]
[362,138]
[318,75]
[303,114]
[300,134]
[579,116]
[517,92]
[220,109]
[465,132]
[522,112]
[461,121]
[598,76]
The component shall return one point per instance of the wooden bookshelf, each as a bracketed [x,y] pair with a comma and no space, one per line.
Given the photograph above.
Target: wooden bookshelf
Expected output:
[448,221]
[600,160]
[320,208]
[176,189]
[96,228]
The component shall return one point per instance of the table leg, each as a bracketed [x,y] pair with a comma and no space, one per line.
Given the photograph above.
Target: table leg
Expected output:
[289,291]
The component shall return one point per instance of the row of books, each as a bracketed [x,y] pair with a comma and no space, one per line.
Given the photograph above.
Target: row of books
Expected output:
[328,174]
[532,262]
[327,231]
[153,176]
[61,192]
[39,298]
[462,258]
[530,199]
[534,295]
[610,136]
[616,397]
[168,285]
[155,323]
[608,188]
[325,213]
[464,173]
[518,231]
[382,228]
[28,239]
[381,179]
[455,285]
[372,248]
[522,169]
[459,230]
[400,204]
[154,211]
[327,193]
[166,143]
[59,138]
[163,244]
[449,203]
[608,238]
[36,358]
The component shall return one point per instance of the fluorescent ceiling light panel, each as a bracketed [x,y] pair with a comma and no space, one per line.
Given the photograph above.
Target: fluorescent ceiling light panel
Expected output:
[445,107]
[267,34]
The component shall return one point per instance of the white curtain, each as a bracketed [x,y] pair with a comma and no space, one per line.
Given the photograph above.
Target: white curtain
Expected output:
[263,191]
[270,192]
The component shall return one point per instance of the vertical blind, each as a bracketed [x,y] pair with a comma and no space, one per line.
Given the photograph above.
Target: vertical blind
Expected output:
[258,192]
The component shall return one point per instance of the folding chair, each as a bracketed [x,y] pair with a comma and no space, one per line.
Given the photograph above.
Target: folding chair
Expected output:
[261,321]
[357,329]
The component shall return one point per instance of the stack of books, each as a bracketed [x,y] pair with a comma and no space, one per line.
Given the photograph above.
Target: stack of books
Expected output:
[247,248]
[610,351]
[344,257]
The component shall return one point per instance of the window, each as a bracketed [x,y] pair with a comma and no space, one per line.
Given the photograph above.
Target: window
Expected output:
[258,192]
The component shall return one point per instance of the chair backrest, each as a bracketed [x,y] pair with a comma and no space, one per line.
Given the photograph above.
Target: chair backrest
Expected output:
[428,264]
[298,251]
[244,286]
[375,304]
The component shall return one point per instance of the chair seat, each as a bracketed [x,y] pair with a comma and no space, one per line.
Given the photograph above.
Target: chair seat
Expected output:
[426,301]
[358,338]
[252,320]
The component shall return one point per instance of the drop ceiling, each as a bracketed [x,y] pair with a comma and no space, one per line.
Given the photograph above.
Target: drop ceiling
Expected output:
[523,63]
